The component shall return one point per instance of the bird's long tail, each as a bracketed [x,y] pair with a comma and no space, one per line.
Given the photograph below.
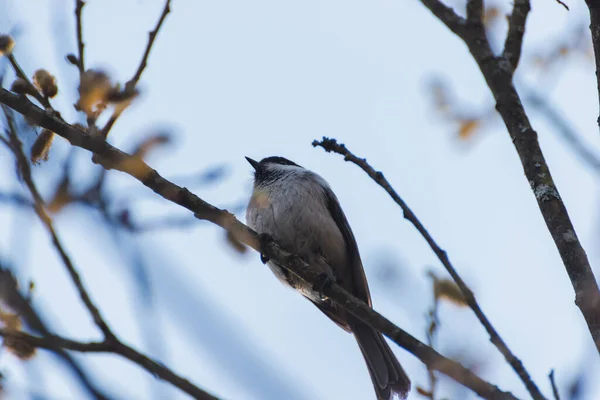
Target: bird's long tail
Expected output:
[388,377]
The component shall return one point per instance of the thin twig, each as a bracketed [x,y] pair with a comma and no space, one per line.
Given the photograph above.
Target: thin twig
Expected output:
[34,92]
[516,31]
[453,21]
[553,384]
[80,45]
[112,158]
[331,145]
[130,85]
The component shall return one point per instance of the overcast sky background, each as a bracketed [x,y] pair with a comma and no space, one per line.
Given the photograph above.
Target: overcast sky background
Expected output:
[260,78]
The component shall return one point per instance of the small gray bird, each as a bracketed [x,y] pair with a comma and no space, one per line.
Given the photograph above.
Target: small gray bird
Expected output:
[299,210]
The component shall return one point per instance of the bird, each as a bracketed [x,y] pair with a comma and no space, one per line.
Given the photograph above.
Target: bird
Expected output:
[297,208]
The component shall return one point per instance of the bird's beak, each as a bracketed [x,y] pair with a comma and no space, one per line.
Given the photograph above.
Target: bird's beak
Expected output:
[254,164]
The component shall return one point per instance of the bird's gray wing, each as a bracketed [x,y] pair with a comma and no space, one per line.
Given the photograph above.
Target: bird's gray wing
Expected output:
[358,286]
[355,282]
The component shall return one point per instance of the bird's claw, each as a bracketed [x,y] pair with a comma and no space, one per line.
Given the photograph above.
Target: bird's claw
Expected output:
[323,282]
[263,239]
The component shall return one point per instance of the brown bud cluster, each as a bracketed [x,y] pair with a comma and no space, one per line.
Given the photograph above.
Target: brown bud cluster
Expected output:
[45,82]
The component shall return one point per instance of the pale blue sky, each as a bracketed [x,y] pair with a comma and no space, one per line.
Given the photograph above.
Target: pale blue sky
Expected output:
[260,78]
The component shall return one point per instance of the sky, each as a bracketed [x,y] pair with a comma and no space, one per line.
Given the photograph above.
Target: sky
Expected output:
[236,78]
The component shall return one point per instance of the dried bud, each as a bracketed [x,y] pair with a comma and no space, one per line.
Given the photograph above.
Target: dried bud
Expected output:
[93,92]
[20,86]
[19,347]
[7,43]
[45,82]
[72,59]
[41,147]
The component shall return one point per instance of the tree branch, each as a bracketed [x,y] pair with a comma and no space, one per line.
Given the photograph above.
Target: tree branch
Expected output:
[516,31]
[446,14]
[331,145]
[113,158]
[498,74]
[10,296]
[130,85]
[156,369]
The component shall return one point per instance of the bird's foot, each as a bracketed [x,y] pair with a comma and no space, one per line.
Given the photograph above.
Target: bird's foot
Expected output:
[323,282]
[263,239]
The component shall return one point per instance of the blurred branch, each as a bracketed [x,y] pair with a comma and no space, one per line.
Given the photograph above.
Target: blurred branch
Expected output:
[562,126]
[553,384]
[130,85]
[110,343]
[498,73]
[331,145]
[40,209]
[112,158]
[594,7]
[53,342]
[10,295]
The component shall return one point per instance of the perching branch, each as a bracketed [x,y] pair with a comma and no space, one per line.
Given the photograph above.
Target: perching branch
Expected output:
[331,145]
[130,85]
[113,158]
[498,73]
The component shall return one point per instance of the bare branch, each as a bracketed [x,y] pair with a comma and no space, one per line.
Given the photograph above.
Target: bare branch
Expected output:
[130,85]
[475,11]
[516,30]
[331,145]
[155,368]
[10,296]
[498,73]
[446,14]
[113,158]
